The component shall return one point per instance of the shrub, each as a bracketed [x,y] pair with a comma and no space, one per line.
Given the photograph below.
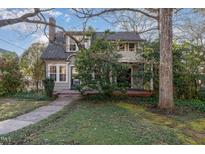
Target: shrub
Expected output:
[194,104]
[201,94]
[48,86]
[2,92]
[11,82]
[11,77]
[188,58]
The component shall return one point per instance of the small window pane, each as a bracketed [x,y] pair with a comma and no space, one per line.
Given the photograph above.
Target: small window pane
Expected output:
[62,73]
[72,47]
[62,70]
[131,47]
[53,72]
[62,77]
[122,47]
[52,69]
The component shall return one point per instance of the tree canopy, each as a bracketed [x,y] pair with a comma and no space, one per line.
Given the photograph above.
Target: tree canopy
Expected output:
[31,65]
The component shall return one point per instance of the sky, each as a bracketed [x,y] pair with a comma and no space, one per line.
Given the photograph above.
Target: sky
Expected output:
[19,37]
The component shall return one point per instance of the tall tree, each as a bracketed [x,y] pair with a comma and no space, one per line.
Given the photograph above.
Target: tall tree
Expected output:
[11,78]
[31,64]
[165,71]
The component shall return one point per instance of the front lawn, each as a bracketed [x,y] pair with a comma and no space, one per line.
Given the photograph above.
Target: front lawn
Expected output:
[116,122]
[20,103]
[10,107]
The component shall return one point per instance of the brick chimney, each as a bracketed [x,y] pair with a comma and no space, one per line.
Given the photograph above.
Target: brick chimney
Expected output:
[52,29]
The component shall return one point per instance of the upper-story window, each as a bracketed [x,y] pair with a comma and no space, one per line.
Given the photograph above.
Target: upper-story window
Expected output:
[131,47]
[72,45]
[122,47]
[127,47]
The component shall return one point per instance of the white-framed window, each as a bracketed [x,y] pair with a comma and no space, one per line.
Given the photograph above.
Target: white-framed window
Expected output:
[52,72]
[58,72]
[62,73]
[71,45]
[131,47]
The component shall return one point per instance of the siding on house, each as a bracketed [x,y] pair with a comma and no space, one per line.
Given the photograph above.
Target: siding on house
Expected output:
[130,57]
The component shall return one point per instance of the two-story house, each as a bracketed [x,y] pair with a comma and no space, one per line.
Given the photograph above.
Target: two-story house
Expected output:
[59,56]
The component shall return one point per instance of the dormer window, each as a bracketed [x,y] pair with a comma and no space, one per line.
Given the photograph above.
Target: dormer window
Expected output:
[71,45]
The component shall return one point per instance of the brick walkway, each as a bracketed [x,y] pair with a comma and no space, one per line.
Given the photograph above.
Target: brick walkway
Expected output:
[35,116]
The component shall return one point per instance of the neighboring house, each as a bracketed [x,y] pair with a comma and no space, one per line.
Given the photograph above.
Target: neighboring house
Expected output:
[59,56]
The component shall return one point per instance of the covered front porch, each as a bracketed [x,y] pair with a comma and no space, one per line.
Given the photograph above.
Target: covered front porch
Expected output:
[65,75]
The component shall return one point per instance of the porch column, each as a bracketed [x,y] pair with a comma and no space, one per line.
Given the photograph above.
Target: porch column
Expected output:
[151,80]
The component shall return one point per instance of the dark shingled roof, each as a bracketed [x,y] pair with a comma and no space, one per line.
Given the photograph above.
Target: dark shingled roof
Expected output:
[123,36]
[53,51]
[56,51]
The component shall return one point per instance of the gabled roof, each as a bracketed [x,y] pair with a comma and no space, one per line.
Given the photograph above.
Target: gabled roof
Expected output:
[57,50]
[53,52]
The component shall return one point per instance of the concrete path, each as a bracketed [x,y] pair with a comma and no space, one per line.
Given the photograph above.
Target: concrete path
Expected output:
[35,116]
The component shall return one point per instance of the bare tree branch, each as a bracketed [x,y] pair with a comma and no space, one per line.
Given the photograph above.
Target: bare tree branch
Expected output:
[5,22]
[30,18]
[89,13]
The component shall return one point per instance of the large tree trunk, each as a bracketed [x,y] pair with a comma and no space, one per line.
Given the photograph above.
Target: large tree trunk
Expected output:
[165,71]
[37,83]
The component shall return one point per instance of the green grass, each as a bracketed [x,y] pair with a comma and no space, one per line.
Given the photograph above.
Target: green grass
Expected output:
[22,102]
[112,122]
[31,95]
[10,107]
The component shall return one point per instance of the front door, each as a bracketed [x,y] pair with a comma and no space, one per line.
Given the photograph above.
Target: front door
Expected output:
[125,78]
[74,80]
